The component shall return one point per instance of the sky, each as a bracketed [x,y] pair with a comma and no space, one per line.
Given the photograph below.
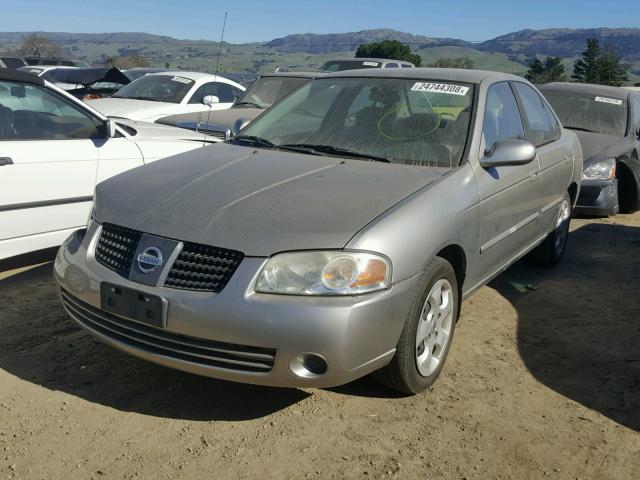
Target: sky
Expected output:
[263,20]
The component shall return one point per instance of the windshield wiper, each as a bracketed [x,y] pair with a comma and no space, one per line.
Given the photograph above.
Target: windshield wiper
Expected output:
[253,140]
[330,150]
[582,129]
[251,104]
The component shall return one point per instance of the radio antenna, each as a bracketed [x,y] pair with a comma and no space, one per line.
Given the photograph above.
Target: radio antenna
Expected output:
[224,25]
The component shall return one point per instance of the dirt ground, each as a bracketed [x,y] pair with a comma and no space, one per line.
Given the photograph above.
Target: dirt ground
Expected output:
[543,381]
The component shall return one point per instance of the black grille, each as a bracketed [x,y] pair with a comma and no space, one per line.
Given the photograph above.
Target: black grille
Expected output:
[201,267]
[116,248]
[168,344]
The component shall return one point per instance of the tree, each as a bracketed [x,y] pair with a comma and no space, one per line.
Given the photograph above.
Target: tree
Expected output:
[586,69]
[598,67]
[38,46]
[535,72]
[457,62]
[610,71]
[391,49]
[551,70]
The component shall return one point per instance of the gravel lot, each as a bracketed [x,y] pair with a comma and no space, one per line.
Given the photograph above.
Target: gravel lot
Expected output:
[543,381]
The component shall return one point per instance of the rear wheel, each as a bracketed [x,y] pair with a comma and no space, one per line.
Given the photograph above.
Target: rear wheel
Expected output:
[551,250]
[427,334]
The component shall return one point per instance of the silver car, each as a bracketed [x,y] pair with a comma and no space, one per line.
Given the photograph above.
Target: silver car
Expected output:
[333,237]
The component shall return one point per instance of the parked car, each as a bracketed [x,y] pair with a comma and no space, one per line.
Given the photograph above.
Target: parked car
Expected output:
[261,94]
[162,94]
[334,237]
[87,83]
[43,69]
[360,63]
[13,63]
[607,121]
[53,61]
[135,73]
[53,150]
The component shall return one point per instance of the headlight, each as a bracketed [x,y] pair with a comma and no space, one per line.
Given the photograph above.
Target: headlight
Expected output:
[603,170]
[324,273]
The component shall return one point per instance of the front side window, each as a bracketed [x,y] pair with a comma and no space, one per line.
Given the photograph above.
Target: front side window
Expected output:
[32,112]
[539,128]
[396,120]
[590,112]
[157,88]
[501,117]
[391,65]
[225,92]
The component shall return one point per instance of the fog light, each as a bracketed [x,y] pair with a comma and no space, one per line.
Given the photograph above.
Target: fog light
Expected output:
[308,365]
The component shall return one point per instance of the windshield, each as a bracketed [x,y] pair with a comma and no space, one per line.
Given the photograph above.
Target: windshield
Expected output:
[339,65]
[590,112]
[157,88]
[396,120]
[266,91]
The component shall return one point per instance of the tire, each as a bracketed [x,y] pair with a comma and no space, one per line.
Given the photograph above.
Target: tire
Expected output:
[551,250]
[628,185]
[413,369]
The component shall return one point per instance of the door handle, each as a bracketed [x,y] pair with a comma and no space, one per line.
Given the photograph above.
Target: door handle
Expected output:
[5,161]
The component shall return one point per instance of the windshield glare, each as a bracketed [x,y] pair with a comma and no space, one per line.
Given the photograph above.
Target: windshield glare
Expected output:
[266,91]
[587,111]
[403,121]
[158,88]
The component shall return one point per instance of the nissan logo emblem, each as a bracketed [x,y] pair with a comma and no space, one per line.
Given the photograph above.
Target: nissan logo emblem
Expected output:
[149,259]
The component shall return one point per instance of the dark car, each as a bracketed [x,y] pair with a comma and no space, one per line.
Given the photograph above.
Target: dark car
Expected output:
[261,94]
[88,83]
[12,63]
[607,121]
[50,61]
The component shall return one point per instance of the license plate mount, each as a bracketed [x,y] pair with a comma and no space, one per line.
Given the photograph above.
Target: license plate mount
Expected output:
[134,304]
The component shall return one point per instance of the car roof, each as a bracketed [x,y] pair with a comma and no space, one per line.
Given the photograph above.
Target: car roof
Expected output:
[585,88]
[450,74]
[18,76]
[187,74]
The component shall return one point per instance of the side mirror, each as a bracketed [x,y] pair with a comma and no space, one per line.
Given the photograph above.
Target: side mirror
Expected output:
[210,100]
[238,125]
[110,128]
[508,153]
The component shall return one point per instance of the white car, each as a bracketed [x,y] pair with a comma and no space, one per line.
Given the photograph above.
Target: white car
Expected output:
[40,70]
[54,150]
[168,93]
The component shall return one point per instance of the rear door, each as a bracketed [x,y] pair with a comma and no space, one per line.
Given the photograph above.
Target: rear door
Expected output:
[48,167]
[555,156]
[508,194]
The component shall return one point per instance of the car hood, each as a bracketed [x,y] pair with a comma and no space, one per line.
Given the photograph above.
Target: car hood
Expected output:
[134,109]
[224,118]
[146,130]
[255,200]
[597,147]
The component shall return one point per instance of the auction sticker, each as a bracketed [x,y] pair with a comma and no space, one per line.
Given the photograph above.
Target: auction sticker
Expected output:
[446,88]
[612,101]
[181,80]
[370,64]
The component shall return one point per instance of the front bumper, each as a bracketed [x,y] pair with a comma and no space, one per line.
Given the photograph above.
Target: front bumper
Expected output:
[354,335]
[598,198]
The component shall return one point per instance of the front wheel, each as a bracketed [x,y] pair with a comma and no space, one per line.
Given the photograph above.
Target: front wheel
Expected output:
[427,334]
[550,251]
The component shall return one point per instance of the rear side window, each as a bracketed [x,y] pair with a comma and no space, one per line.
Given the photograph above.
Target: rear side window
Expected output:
[391,65]
[13,63]
[540,129]
[501,117]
